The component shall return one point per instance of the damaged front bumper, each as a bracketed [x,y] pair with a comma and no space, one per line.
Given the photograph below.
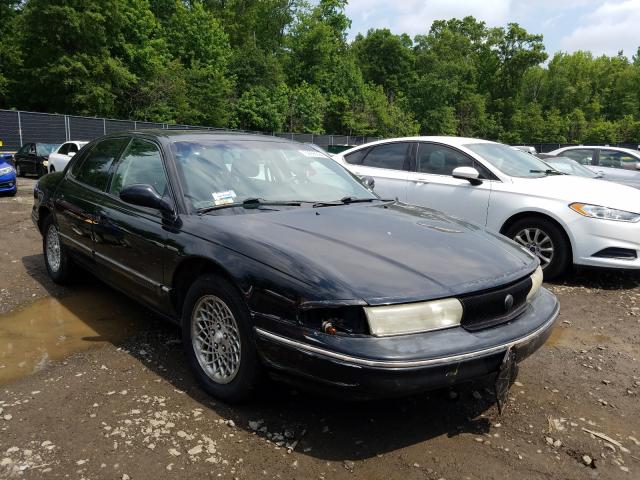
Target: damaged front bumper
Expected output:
[368,367]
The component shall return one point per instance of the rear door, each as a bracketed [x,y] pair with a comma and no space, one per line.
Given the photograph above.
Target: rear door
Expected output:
[432,184]
[129,239]
[388,163]
[78,195]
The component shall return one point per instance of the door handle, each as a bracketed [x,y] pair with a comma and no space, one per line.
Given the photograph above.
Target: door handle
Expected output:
[421,180]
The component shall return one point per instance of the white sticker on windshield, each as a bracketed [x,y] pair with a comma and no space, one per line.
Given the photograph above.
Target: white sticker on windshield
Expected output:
[223,198]
[312,153]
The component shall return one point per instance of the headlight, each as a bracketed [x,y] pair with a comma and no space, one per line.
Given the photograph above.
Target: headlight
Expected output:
[596,211]
[536,283]
[414,317]
[5,170]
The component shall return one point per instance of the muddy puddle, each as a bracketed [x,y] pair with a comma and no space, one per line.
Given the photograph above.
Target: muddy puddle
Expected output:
[565,337]
[51,329]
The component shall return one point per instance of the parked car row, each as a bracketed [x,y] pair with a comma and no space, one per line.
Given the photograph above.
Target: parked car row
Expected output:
[275,258]
[35,158]
[562,219]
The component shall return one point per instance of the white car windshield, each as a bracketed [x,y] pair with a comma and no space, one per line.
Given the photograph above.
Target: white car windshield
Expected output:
[511,161]
[219,172]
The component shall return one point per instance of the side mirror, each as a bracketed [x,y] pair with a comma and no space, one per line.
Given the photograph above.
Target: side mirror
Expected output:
[467,173]
[71,154]
[369,182]
[146,196]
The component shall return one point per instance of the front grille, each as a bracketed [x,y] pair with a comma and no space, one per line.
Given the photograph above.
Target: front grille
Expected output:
[489,308]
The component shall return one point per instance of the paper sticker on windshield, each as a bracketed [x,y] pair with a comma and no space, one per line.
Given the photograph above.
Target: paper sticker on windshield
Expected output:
[312,154]
[223,198]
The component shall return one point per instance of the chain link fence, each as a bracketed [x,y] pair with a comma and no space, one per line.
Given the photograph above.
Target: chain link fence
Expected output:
[20,127]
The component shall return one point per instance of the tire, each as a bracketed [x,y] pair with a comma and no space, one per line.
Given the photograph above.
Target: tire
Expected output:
[19,171]
[212,297]
[59,270]
[549,236]
[52,169]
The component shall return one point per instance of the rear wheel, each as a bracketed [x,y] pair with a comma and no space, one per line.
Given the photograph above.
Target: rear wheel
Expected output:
[217,336]
[545,240]
[58,263]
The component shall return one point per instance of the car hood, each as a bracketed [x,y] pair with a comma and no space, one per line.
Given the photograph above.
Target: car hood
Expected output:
[571,188]
[376,253]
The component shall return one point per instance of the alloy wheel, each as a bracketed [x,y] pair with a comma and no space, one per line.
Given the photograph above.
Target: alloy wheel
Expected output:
[538,242]
[53,248]
[216,339]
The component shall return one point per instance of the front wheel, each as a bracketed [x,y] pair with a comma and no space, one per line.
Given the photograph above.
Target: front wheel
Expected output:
[545,240]
[218,339]
[52,169]
[19,171]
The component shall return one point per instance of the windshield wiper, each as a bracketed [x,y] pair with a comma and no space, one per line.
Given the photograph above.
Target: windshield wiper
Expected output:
[548,172]
[347,200]
[254,202]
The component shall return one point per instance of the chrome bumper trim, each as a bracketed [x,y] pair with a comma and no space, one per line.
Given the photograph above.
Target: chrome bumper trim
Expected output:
[411,363]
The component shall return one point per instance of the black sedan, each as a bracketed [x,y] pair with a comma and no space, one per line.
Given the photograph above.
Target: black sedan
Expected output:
[274,258]
[32,158]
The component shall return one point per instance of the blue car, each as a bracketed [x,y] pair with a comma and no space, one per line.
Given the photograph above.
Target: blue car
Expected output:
[8,183]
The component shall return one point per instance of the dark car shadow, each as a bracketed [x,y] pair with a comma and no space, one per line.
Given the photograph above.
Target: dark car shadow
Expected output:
[318,425]
[600,278]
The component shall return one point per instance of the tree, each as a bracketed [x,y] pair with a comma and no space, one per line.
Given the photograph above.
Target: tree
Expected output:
[263,109]
[306,109]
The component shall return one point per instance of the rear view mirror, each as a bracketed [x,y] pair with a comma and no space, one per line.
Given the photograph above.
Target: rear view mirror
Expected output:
[369,182]
[467,173]
[145,196]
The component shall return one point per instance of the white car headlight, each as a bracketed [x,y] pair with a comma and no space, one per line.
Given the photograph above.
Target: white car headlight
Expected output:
[536,283]
[418,317]
[596,211]
[5,170]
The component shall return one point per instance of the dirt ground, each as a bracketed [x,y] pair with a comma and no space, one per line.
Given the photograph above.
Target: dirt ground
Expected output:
[93,386]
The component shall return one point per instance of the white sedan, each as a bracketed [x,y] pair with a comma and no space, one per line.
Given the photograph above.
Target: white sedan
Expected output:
[59,159]
[563,219]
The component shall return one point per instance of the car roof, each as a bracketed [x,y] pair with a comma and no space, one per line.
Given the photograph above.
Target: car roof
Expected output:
[200,135]
[454,141]
[606,147]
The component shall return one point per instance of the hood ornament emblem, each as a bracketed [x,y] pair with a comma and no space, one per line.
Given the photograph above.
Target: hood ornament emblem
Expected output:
[508,302]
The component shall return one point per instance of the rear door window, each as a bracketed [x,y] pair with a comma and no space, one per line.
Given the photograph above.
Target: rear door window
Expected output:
[392,156]
[94,171]
[356,157]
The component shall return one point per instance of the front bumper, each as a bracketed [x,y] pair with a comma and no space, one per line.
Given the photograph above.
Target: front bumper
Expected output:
[593,235]
[369,367]
[8,183]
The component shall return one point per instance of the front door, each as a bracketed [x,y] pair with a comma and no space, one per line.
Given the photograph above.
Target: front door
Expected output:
[130,240]
[432,184]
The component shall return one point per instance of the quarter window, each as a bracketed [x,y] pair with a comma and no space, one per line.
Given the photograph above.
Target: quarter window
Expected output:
[392,156]
[141,164]
[581,155]
[94,171]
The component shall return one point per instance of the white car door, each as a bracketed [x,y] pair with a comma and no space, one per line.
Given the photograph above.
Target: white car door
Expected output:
[432,184]
[387,163]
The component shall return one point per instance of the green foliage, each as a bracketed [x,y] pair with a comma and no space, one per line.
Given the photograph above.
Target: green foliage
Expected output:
[287,65]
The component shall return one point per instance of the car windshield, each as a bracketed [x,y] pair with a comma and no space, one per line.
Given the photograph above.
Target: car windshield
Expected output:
[43,149]
[219,172]
[571,167]
[511,161]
